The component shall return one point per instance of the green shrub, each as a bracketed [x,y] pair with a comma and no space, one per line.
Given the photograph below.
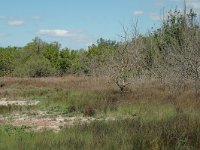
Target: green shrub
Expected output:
[6,61]
[37,66]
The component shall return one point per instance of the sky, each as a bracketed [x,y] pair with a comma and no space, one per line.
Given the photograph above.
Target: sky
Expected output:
[77,24]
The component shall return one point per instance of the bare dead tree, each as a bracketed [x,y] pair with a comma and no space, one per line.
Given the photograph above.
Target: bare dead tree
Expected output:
[186,58]
[182,47]
[125,60]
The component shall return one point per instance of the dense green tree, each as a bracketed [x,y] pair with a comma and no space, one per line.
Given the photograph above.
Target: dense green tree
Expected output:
[78,61]
[64,61]
[7,60]
[51,52]
[98,55]
[38,58]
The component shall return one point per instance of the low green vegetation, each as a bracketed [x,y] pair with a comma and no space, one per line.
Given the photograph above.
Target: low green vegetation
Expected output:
[178,132]
[145,118]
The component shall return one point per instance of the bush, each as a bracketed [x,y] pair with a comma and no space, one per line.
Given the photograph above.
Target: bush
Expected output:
[6,62]
[88,111]
[36,67]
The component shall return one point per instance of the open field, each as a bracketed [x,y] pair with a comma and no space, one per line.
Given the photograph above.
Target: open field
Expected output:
[90,113]
[83,83]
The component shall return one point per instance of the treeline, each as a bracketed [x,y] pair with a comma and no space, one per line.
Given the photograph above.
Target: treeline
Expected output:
[171,52]
[40,59]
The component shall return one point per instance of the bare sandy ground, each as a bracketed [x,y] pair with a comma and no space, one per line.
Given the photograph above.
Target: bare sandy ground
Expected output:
[41,120]
[6,102]
[55,123]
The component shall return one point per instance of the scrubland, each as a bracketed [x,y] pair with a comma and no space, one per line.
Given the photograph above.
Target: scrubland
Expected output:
[141,92]
[150,115]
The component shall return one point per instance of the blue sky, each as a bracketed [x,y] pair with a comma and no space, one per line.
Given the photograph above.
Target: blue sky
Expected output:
[77,23]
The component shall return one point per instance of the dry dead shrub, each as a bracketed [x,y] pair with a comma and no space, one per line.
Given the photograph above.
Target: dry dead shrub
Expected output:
[88,111]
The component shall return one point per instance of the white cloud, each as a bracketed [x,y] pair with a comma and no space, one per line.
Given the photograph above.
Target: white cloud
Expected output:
[1,34]
[2,17]
[193,3]
[56,32]
[155,17]
[160,3]
[75,35]
[176,0]
[36,17]
[16,22]
[138,13]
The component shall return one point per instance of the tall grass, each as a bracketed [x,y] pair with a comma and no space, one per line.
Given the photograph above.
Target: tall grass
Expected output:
[158,118]
[91,96]
[14,108]
[180,132]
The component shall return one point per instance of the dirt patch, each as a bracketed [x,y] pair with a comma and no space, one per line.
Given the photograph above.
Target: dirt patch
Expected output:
[40,122]
[54,124]
[6,102]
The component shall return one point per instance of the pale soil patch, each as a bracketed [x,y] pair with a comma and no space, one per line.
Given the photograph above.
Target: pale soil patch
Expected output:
[41,122]
[6,102]
[54,124]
